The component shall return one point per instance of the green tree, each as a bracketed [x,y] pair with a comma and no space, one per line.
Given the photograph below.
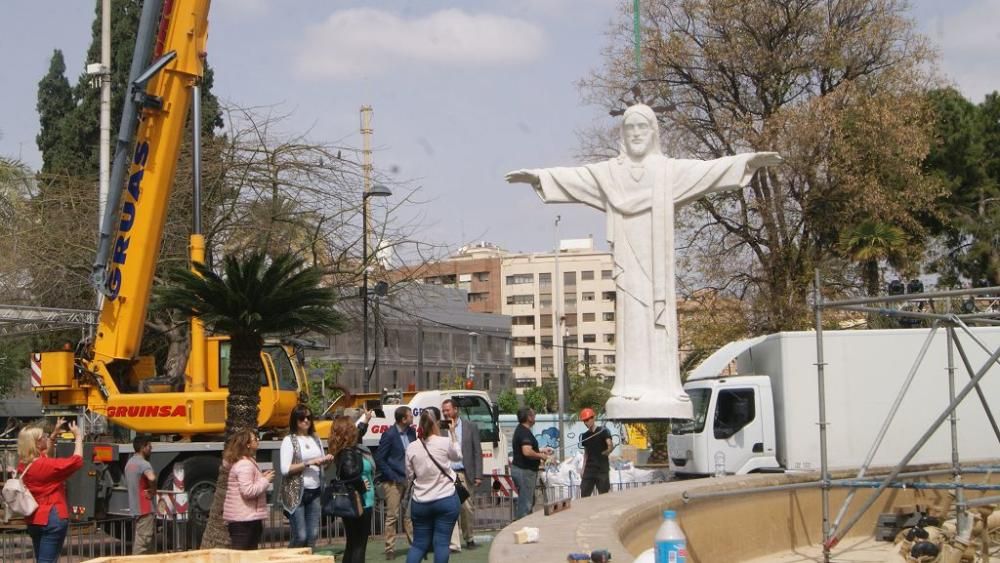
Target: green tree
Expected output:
[323,392]
[507,401]
[966,160]
[836,87]
[871,243]
[534,398]
[254,296]
[55,102]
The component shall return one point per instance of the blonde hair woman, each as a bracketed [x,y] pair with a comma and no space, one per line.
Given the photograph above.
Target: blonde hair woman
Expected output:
[245,508]
[45,477]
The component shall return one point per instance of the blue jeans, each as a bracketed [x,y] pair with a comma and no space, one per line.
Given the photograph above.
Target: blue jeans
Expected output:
[432,525]
[304,521]
[526,481]
[47,541]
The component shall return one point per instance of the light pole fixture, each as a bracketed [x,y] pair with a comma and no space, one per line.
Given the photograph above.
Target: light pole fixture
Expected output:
[378,190]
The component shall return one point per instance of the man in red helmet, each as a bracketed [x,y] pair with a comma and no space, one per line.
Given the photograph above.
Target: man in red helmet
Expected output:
[597,446]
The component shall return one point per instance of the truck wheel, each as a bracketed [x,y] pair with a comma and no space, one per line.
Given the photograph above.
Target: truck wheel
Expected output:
[200,476]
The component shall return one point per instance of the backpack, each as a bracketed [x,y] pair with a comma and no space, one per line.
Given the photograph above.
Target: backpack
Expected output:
[17,498]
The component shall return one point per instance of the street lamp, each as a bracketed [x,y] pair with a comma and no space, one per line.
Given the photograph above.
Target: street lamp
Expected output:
[378,190]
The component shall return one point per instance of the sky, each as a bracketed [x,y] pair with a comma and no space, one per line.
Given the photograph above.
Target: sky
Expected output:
[462,91]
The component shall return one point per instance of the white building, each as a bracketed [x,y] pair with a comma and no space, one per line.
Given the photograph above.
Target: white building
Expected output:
[588,295]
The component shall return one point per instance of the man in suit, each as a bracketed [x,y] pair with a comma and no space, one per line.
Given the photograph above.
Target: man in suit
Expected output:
[469,470]
[390,458]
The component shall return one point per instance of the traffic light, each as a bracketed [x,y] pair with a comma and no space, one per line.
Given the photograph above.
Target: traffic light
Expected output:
[470,371]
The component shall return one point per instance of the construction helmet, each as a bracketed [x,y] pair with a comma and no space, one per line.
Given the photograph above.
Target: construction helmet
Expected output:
[587,414]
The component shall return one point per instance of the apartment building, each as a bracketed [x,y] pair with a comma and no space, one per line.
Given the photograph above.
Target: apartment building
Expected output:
[588,307]
[475,268]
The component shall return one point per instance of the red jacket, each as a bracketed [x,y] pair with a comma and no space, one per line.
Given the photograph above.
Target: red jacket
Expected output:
[46,480]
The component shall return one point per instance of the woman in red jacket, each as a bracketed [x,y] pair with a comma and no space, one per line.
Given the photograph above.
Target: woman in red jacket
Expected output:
[45,477]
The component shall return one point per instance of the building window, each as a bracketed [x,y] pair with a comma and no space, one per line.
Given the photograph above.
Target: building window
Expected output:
[586,275]
[608,316]
[587,296]
[487,382]
[570,299]
[607,296]
[609,359]
[524,382]
[545,321]
[518,279]
[524,340]
[609,338]
[482,276]
[520,299]
[523,320]
[569,278]
[589,317]
[570,320]
[528,362]
[545,300]
[606,275]
[589,338]
[544,280]
[478,297]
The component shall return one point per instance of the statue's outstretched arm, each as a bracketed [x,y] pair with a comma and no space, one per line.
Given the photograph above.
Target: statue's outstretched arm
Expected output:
[523,176]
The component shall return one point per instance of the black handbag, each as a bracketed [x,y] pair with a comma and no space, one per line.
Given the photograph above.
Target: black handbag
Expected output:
[460,490]
[341,498]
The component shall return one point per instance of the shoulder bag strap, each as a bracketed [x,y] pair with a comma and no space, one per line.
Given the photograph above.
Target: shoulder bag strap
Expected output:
[441,469]
[26,468]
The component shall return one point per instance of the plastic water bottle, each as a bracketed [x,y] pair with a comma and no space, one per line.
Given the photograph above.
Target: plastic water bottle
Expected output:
[671,545]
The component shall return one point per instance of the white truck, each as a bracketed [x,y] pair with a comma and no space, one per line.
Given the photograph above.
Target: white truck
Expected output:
[476,406]
[765,416]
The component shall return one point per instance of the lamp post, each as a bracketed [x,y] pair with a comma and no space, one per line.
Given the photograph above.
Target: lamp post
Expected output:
[378,190]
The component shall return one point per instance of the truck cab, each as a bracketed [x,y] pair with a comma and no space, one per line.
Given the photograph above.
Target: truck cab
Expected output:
[732,431]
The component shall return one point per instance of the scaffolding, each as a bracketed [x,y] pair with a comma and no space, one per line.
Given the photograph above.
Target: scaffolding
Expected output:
[954,325]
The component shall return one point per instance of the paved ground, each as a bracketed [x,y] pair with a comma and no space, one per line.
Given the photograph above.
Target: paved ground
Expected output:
[374,553]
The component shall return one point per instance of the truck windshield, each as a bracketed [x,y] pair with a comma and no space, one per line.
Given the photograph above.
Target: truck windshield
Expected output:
[699,404]
[478,410]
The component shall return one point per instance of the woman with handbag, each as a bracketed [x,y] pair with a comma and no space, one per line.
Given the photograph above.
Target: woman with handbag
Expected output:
[245,508]
[301,459]
[353,472]
[435,503]
[45,478]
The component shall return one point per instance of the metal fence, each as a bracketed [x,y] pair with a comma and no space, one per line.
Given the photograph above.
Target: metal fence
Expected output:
[87,540]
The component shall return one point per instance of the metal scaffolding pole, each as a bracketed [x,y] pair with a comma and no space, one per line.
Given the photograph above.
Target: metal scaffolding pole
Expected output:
[964,523]
[821,386]
[843,303]
[971,371]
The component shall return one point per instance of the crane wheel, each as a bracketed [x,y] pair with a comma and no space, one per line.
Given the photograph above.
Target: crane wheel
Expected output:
[200,476]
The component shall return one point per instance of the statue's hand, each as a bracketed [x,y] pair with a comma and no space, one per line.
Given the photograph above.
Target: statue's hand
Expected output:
[765,159]
[523,176]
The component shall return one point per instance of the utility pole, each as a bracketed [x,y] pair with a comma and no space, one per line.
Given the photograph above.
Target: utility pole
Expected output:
[366,172]
[557,348]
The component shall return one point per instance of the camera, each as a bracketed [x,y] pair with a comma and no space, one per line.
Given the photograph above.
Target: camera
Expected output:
[444,424]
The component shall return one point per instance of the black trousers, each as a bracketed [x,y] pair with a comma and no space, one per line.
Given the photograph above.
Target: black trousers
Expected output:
[588,482]
[245,536]
[357,531]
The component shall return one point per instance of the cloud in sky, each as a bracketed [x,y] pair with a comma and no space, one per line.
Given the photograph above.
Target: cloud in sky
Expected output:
[366,42]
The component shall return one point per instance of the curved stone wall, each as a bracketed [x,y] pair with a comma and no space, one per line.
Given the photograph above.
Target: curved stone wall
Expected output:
[733,528]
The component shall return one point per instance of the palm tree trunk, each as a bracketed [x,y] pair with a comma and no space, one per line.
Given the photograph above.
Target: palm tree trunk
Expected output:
[242,408]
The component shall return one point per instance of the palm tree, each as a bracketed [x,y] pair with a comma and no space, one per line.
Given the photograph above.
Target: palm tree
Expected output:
[253,297]
[868,244]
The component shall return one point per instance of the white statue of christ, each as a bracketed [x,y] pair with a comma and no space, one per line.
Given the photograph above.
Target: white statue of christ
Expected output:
[638,191]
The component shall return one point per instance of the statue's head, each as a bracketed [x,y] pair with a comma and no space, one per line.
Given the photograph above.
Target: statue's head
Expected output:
[640,131]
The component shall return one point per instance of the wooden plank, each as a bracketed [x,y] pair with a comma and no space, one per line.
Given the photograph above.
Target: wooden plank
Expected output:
[281,555]
[557,506]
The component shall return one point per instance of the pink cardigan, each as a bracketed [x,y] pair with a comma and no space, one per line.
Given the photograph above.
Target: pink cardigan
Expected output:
[246,493]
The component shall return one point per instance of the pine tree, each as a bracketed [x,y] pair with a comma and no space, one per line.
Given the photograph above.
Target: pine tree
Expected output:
[55,101]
